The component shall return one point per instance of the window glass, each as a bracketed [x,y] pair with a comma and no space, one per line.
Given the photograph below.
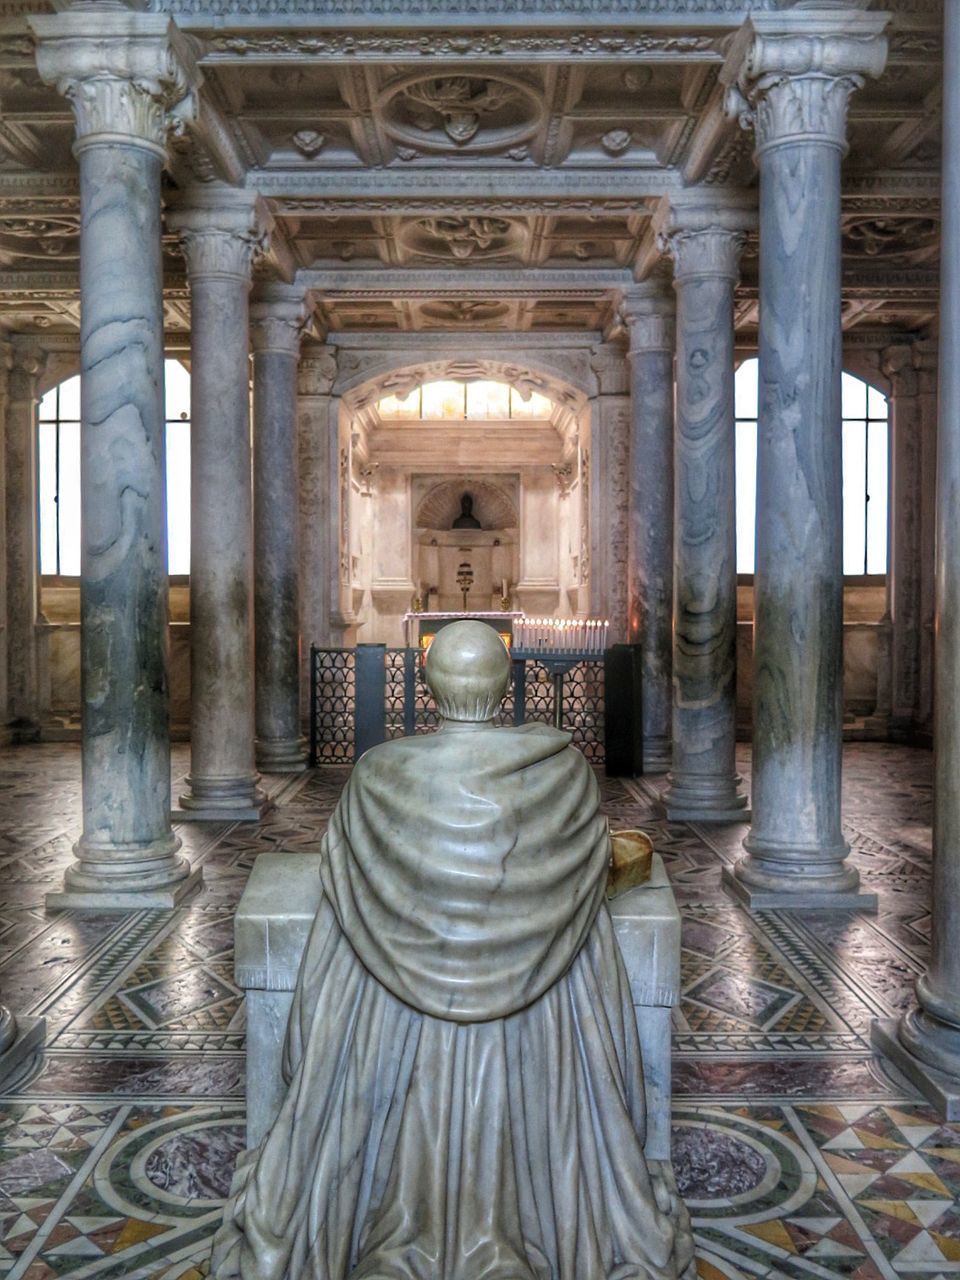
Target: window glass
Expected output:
[535,406]
[488,399]
[878,468]
[444,400]
[746,493]
[407,406]
[58,460]
[865,440]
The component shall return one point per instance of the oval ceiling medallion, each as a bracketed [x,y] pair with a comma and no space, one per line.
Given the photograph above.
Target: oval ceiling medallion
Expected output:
[468,238]
[460,113]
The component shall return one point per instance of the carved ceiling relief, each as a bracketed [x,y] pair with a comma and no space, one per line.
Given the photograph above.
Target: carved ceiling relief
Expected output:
[460,114]
[894,241]
[473,237]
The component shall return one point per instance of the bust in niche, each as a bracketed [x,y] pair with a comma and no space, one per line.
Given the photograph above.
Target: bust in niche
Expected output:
[466,519]
[465,1092]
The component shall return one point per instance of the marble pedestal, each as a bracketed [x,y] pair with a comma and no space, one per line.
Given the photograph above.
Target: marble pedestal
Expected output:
[803,898]
[273,921]
[942,1090]
[161,898]
[27,1041]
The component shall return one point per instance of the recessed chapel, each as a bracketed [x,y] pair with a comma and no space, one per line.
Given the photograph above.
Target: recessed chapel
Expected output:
[629,327]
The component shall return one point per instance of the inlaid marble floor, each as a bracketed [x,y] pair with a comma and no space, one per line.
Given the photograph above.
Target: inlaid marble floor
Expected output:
[801,1155]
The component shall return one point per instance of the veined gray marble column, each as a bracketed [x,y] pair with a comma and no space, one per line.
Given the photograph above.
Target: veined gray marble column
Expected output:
[796,72]
[705,241]
[277,317]
[648,311]
[221,230]
[925,362]
[925,1045]
[319,536]
[23,585]
[906,513]
[122,71]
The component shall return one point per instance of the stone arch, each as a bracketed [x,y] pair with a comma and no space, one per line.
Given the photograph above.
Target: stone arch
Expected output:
[400,374]
[440,505]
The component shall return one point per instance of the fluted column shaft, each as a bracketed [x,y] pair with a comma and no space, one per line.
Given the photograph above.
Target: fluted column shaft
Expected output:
[277,316]
[796,851]
[23,587]
[648,311]
[220,231]
[926,1045]
[122,71]
[705,244]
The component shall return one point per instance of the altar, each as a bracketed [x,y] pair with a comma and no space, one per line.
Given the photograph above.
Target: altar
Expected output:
[421,627]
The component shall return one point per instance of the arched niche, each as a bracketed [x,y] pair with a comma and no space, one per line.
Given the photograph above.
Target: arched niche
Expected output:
[493,506]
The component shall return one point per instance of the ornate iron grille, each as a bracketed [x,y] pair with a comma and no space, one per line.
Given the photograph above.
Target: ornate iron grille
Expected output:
[333,697]
[409,709]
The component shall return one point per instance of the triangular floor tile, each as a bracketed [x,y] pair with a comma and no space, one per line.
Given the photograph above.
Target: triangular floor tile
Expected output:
[922,1248]
[928,1211]
[832,1249]
[78,1247]
[820,1226]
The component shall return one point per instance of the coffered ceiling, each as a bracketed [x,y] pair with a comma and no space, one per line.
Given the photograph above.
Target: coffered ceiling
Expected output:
[487,165]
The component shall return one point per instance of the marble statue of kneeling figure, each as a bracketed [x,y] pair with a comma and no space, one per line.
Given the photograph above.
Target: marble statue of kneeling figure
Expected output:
[465,1093]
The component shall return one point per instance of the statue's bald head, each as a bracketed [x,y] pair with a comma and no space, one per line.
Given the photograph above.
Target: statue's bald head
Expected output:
[468,670]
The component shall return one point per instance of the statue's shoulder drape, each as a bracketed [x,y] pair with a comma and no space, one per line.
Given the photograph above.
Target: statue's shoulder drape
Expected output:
[466,869]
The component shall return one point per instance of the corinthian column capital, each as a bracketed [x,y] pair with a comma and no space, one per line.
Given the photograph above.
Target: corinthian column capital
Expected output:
[790,74]
[648,309]
[222,231]
[704,232]
[277,316]
[130,77]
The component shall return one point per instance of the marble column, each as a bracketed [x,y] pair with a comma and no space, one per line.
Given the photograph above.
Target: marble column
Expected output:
[221,230]
[277,316]
[6,736]
[925,1044]
[123,72]
[319,539]
[796,71]
[704,240]
[23,583]
[648,311]
[20,1039]
[903,554]
[925,362]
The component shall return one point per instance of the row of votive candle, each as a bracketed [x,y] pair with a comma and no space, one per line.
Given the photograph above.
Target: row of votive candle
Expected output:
[561,635]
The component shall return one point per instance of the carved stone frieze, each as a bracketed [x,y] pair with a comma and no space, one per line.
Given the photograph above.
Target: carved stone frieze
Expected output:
[380,9]
[317,372]
[480,43]
[130,77]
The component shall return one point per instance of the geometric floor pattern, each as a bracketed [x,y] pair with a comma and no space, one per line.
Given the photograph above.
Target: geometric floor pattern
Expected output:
[800,1153]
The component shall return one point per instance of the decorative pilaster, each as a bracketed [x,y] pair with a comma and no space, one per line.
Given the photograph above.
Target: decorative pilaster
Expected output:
[608,497]
[129,77]
[925,1043]
[649,310]
[793,73]
[22,562]
[277,317]
[319,526]
[705,237]
[221,230]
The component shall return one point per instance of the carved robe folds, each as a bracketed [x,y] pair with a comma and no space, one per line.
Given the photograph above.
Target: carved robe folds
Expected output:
[465,1093]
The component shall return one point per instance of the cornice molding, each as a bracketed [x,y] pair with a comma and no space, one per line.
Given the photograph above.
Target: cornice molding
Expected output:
[194,12]
[410,283]
[443,190]
[130,77]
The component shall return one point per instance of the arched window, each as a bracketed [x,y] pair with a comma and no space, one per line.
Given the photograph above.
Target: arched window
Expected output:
[484,400]
[865,472]
[58,450]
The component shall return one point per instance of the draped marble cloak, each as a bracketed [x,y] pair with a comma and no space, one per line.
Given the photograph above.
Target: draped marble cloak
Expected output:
[465,1094]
